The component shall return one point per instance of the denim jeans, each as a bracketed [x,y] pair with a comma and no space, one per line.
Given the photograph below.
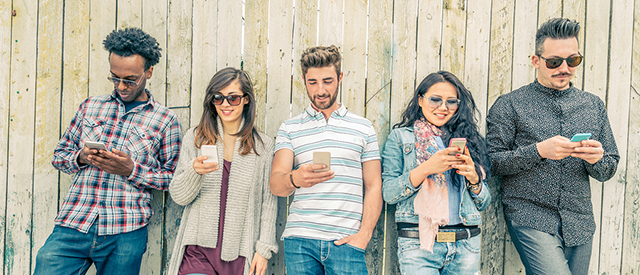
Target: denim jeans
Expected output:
[313,257]
[460,257]
[69,251]
[543,253]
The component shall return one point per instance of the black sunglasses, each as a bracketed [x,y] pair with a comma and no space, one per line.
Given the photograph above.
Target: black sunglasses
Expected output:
[234,100]
[572,61]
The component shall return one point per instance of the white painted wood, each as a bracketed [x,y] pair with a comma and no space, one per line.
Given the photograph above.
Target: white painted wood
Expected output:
[476,62]
[255,54]
[548,9]
[330,20]
[129,14]
[101,23]
[47,121]
[179,58]
[229,34]
[203,52]
[524,42]
[154,22]
[575,10]
[618,108]
[22,95]
[354,58]
[305,31]
[453,37]
[5,66]
[429,38]
[404,56]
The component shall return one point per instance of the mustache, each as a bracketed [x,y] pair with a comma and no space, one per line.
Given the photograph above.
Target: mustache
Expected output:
[561,74]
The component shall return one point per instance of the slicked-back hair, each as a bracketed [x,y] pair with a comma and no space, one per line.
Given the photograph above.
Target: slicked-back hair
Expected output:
[207,130]
[132,41]
[556,28]
[319,57]
[463,123]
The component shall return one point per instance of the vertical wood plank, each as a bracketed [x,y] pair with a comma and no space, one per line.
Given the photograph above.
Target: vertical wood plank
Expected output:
[330,22]
[129,14]
[47,121]
[179,47]
[255,54]
[279,66]
[596,41]
[575,10]
[101,23]
[618,107]
[354,56]
[404,56]
[278,96]
[500,77]
[203,52]
[453,37]
[429,38]
[524,42]
[476,57]
[229,34]
[304,36]
[154,22]
[5,80]
[548,9]
[631,238]
[21,138]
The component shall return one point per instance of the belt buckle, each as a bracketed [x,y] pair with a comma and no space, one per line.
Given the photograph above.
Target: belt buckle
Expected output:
[446,237]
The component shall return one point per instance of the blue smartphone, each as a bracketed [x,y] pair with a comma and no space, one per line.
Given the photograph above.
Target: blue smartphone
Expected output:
[580,137]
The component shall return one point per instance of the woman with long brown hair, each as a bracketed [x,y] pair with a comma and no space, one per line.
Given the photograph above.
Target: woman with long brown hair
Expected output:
[228,224]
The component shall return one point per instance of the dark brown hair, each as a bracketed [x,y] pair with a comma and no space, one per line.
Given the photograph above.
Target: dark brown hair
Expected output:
[320,56]
[207,130]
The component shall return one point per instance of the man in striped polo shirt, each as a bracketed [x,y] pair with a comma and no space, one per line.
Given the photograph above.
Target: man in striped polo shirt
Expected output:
[330,220]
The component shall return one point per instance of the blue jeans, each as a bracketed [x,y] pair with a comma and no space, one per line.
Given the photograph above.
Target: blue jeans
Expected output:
[68,251]
[312,257]
[543,253]
[460,257]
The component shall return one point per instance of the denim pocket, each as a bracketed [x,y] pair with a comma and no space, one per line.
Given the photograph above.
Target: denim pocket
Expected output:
[472,244]
[355,247]
[407,244]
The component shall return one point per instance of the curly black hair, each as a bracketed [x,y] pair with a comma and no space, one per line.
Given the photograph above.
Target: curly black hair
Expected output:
[133,41]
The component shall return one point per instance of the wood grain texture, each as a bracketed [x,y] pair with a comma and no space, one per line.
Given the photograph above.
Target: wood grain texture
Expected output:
[5,80]
[548,9]
[255,54]
[101,23]
[453,37]
[404,56]
[429,38]
[330,20]
[619,83]
[229,34]
[22,95]
[354,56]
[576,10]
[305,29]
[129,13]
[154,22]
[524,42]
[47,121]
[179,48]
[203,53]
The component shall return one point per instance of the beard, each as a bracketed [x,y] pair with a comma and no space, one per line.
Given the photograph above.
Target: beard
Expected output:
[324,105]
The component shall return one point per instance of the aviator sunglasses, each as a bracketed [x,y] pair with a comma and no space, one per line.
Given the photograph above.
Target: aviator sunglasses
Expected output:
[234,100]
[129,83]
[435,102]
[572,61]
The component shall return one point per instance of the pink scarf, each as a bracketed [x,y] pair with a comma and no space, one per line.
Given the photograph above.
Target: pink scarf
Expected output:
[431,203]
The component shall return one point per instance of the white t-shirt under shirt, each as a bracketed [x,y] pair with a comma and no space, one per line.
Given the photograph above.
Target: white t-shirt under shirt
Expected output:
[332,209]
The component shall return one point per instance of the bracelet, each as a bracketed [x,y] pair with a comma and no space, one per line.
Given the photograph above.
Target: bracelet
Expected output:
[291,179]
[474,187]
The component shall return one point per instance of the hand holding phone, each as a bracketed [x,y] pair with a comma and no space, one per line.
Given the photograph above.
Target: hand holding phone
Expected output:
[461,143]
[95,145]
[211,152]
[322,158]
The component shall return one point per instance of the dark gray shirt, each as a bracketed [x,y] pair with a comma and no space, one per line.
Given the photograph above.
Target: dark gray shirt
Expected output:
[552,196]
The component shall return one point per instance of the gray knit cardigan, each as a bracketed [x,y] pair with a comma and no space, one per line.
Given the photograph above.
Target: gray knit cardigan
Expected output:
[250,217]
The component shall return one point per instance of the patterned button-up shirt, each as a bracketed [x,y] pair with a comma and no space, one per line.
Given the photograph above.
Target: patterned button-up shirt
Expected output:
[551,196]
[150,134]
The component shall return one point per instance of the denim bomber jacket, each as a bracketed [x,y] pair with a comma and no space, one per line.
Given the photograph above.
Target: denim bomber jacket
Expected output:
[398,159]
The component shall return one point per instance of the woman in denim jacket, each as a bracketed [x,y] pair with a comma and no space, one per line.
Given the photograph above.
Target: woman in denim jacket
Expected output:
[439,191]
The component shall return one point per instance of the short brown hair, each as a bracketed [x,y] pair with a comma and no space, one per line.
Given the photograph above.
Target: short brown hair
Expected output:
[320,56]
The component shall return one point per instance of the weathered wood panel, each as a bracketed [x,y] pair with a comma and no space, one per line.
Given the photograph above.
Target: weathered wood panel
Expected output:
[129,13]
[5,80]
[354,51]
[203,52]
[429,38]
[179,57]
[102,21]
[304,36]
[229,34]
[254,63]
[453,37]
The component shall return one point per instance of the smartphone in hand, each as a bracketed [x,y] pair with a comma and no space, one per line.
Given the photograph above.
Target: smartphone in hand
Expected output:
[580,137]
[461,143]
[322,158]
[211,152]
[95,145]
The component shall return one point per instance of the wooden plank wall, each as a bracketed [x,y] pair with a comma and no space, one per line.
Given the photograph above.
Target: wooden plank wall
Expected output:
[51,58]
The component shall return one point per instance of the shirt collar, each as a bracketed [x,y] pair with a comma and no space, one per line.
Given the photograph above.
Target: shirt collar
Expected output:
[551,91]
[150,100]
[341,111]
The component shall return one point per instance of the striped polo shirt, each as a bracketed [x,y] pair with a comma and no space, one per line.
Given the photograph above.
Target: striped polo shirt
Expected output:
[332,209]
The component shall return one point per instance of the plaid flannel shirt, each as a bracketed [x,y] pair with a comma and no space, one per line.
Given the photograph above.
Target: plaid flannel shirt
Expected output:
[150,134]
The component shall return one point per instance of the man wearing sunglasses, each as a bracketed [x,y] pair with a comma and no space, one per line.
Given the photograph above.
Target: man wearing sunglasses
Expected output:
[546,189]
[104,217]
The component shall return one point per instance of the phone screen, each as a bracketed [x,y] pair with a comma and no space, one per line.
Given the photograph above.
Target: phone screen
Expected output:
[322,158]
[458,142]
[211,152]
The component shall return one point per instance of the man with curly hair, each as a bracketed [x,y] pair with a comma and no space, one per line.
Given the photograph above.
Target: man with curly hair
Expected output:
[104,217]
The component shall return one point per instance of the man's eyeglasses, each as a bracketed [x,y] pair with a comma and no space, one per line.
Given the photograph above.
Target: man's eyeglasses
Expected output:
[572,61]
[129,83]
[234,100]
[435,102]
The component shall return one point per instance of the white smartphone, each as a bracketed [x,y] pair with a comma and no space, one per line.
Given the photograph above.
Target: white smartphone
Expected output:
[211,152]
[95,145]
[322,158]
[458,142]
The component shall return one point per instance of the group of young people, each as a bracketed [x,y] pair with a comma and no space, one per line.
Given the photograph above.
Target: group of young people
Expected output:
[229,220]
